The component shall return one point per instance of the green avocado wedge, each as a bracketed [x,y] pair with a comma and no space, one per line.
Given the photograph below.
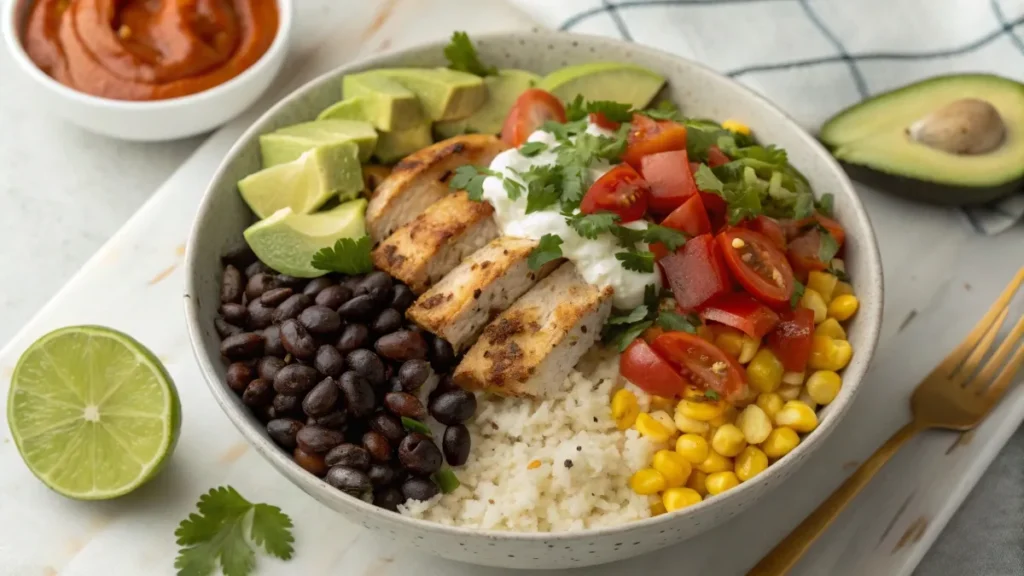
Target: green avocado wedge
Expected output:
[305,184]
[502,91]
[393,146]
[955,140]
[347,109]
[387,104]
[615,81]
[444,94]
[290,142]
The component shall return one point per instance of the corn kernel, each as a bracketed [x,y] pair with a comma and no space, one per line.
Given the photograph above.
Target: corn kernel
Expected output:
[721,481]
[693,448]
[765,371]
[658,508]
[831,328]
[651,429]
[662,403]
[728,440]
[793,378]
[715,462]
[788,392]
[823,386]
[678,498]
[647,481]
[815,303]
[843,307]
[705,411]
[751,462]
[728,416]
[665,420]
[625,409]
[842,288]
[754,423]
[748,397]
[805,397]
[823,283]
[736,126]
[829,354]
[749,348]
[780,442]
[688,425]
[770,402]
[729,341]
[798,416]
[672,466]
[698,482]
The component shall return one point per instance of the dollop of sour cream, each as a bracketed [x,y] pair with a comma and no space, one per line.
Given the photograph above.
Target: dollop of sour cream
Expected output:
[594,259]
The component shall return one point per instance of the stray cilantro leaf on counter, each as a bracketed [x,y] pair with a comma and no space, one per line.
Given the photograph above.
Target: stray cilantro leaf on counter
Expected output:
[347,256]
[670,237]
[217,535]
[637,261]
[591,225]
[471,179]
[675,322]
[828,247]
[531,149]
[798,293]
[549,248]
[826,204]
[462,56]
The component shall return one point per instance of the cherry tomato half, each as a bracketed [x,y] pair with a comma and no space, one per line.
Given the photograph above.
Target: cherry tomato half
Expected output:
[769,227]
[740,311]
[696,272]
[794,228]
[668,174]
[648,136]
[533,108]
[703,363]
[621,190]
[803,254]
[791,339]
[601,120]
[758,265]
[642,366]
[716,157]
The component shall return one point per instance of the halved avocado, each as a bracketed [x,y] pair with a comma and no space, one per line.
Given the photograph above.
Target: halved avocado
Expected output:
[955,139]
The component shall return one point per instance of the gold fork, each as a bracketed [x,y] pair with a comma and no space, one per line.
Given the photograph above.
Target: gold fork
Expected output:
[955,396]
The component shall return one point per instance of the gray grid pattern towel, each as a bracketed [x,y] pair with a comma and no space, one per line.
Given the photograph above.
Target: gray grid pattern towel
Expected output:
[816,57]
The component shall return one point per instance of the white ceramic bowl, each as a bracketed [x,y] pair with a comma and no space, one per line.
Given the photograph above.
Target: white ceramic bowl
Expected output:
[700,92]
[151,120]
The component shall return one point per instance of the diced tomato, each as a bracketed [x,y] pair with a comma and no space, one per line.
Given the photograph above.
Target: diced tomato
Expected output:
[803,254]
[758,265]
[642,366]
[601,120]
[648,136]
[794,228]
[671,182]
[791,339]
[718,210]
[691,218]
[703,363]
[769,227]
[621,190]
[740,311]
[533,108]
[696,272]
[716,157]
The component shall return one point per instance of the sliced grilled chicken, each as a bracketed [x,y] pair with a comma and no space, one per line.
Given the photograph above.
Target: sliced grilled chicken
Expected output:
[421,179]
[531,347]
[424,250]
[487,282]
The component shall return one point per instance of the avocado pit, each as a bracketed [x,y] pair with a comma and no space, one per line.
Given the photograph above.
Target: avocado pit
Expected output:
[969,126]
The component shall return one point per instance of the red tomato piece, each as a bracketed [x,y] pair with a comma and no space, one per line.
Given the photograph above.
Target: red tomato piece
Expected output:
[703,363]
[794,228]
[769,227]
[791,339]
[621,190]
[803,254]
[648,136]
[533,108]
[696,272]
[718,210]
[691,218]
[642,366]
[671,182]
[716,157]
[740,311]
[601,120]
[758,265]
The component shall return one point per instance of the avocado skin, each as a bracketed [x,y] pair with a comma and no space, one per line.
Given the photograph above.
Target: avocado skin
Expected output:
[930,192]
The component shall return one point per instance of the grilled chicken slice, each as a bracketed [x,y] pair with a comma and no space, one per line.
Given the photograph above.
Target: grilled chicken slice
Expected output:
[530,348]
[487,282]
[421,179]
[424,250]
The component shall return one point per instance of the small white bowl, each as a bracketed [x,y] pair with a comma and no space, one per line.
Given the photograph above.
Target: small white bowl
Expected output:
[148,120]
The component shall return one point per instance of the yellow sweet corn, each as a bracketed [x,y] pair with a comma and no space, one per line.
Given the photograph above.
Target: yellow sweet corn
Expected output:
[728,440]
[662,403]
[728,416]
[729,341]
[789,392]
[672,466]
[823,283]
[736,126]
[805,397]
[765,371]
[770,402]
[842,288]
[815,303]
[698,482]
[754,423]
[749,349]
[693,448]
[715,462]
[678,498]
[831,328]
[842,307]
[665,420]
[721,481]
[625,409]
[688,425]
[780,442]
[793,378]
[751,462]
[652,429]
[829,354]
[823,386]
[705,410]
[658,508]
[798,416]
[647,481]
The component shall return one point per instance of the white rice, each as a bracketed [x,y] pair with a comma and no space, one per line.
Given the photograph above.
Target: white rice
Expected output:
[585,461]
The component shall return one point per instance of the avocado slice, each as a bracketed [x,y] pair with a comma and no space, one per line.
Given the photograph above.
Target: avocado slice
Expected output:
[347,109]
[393,146]
[388,105]
[290,142]
[627,83]
[502,91]
[956,139]
[287,241]
[304,184]
[444,94]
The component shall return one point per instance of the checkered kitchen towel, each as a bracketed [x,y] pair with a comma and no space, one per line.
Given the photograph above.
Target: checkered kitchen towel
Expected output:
[816,57]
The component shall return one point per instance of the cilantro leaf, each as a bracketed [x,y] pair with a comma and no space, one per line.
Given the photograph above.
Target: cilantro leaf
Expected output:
[628,237]
[462,56]
[347,256]
[798,293]
[700,138]
[471,179]
[271,529]
[676,322]
[636,261]
[637,314]
[670,237]
[826,204]
[512,188]
[803,206]
[590,225]
[828,247]
[563,131]
[621,336]
[574,185]
[576,110]
[541,186]
[706,180]
[549,248]
[665,110]
[711,394]
[613,111]
[531,149]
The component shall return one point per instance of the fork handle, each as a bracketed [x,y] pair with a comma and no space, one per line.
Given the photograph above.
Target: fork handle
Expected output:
[782,558]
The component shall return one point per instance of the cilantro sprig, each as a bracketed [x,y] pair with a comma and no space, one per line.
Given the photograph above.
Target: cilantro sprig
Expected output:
[549,248]
[462,56]
[471,179]
[622,328]
[579,109]
[347,256]
[637,260]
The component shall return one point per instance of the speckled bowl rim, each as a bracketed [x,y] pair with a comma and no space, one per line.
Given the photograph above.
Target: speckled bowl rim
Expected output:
[870,314]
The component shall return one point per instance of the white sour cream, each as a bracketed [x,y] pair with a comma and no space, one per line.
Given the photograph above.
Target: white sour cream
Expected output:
[594,259]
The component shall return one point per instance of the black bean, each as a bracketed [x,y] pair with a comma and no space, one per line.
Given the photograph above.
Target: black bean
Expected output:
[317,285]
[239,374]
[377,445]
[405,404]
[329,361]
[445,384]
[268,367]
[225,328]
[239,256]
[274,297]
[259,392]
[402,345]
[296,379]
[318,439]
[349,455]
[258,284]
[442,356]
[360,399]
[297,341]
[334,420]
[388,425]
[283,431]
[320,320]
[368,365]
[231,286]
[381,474]
[418,454]
[348,480]
[419,489]
[386,322]
[376,285]
[353,336]
[255,268]
[388,498]
[290,281]
[395,384]
[357,309]
[334,296]
[292,307]
[402,297]
[260,316]
[313,463]
[322,398]
[453,407]
[234,313]
[242,346]
[456,444]
[413,374]
[287,406]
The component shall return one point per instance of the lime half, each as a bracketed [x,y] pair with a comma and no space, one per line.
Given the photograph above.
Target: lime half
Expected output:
[93,412]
